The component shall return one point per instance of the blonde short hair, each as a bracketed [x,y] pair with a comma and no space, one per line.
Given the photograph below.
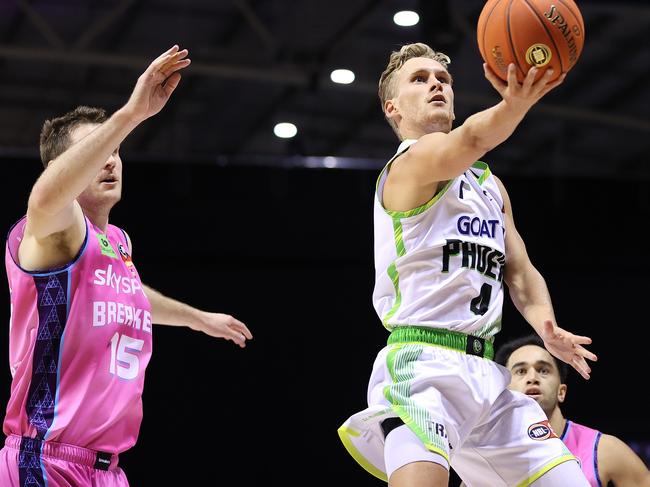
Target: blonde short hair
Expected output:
[396,61]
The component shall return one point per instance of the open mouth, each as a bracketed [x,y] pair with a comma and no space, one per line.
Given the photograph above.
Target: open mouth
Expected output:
[533,392]
[437,98]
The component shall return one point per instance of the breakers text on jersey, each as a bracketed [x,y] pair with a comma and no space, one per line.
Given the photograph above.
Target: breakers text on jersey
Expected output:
[109,312]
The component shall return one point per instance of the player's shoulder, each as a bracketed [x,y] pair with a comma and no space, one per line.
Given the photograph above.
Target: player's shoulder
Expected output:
[615,451]
[616,460]
[610,444]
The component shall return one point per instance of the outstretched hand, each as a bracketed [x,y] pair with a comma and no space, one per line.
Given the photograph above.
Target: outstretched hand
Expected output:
[568,347]
[221,325]
[156,84]
[522,95]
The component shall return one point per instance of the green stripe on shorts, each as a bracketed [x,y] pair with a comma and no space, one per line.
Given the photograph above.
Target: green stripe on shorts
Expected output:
[400,362]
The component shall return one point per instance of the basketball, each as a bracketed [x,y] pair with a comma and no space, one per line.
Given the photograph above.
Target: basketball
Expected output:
[542,33]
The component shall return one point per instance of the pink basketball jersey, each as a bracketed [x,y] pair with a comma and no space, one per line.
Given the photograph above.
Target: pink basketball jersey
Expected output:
[583,443]
[80,341]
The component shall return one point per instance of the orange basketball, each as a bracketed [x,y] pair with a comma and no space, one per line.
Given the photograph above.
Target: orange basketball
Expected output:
[542,33]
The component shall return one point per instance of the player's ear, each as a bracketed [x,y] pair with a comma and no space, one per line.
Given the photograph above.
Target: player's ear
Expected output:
[561,393]
[390,109]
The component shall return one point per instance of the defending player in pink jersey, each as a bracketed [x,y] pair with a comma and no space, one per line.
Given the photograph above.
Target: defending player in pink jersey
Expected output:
[603,458]
[81,318]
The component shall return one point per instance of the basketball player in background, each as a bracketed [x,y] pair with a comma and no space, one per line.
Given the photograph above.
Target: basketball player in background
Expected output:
[444,242]
[81,322]
[536,373]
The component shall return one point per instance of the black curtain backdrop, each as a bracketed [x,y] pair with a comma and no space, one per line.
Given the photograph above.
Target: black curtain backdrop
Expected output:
[289,252]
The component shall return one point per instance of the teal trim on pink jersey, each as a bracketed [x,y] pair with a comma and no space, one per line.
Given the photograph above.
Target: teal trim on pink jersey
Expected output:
[582,442]
[80,342]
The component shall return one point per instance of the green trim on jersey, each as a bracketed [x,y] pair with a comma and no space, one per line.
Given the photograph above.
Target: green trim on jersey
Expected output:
[345,434]
[400,362]
[392,270]
[422,208]
[399,245]
[486,171]
[397,216]
[546,468]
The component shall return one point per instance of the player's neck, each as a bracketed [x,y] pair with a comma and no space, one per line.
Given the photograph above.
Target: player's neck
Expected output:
[557,421]
[98,217]
[408,131]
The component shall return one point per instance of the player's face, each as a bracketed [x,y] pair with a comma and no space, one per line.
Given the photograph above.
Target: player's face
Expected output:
[424,96]
[106,188]
[534,373]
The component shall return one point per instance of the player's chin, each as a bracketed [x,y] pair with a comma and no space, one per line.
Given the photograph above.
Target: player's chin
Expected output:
[440,114]
[115,194]
[110,190]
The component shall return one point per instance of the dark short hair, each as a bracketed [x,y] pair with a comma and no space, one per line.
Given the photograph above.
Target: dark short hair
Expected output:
[55,134]
[508,348]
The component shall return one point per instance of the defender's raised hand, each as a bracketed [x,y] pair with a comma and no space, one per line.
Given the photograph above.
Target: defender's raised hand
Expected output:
[156,84]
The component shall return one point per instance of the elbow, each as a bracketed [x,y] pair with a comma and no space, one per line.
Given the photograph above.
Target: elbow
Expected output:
[41,201]
[479,145]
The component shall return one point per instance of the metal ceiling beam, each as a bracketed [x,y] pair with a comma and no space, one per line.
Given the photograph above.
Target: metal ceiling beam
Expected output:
[149,134]
[345,30]
[283,75]
[103,23]
[269,41]
[41,24]
[293,77]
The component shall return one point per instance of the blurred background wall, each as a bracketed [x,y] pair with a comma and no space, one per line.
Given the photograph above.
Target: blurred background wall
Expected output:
[226,216]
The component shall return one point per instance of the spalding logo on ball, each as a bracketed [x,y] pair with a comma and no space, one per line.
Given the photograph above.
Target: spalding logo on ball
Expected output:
[541,33]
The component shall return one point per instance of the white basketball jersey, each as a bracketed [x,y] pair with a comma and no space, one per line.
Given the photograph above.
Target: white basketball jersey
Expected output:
[441,265]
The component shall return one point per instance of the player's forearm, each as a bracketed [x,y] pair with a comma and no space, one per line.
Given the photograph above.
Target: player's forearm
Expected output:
[530,296]
[70,173]
[448,155]
[168,311]
[491,127]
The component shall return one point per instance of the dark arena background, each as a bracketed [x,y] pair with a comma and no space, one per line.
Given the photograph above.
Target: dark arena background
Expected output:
[228,217]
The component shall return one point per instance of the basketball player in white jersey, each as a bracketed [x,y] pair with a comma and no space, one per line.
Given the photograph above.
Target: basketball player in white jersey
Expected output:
[445,241]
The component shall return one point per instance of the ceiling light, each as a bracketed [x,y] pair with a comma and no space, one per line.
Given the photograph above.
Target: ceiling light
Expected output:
[330,162]
[285,130]
[342,76]
[406,18]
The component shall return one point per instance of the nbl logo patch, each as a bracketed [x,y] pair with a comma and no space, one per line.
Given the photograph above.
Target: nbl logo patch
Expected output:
[541,431]
[126,258]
